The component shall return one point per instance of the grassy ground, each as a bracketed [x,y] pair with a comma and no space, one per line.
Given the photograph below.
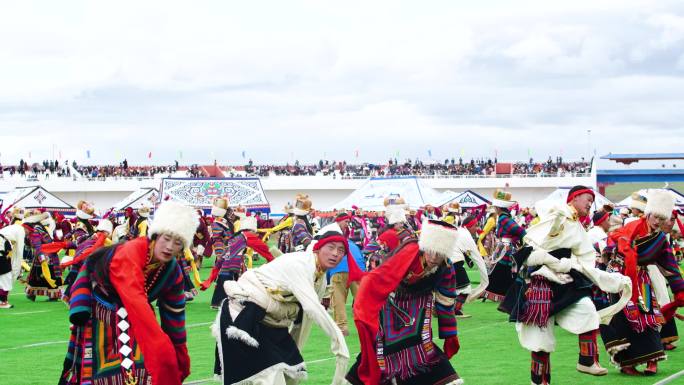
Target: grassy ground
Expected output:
[34,338]
[620,191]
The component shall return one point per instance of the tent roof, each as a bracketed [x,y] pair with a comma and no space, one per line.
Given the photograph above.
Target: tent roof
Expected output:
[371,195]
[34,197]
[469,198]
[201,192]
[133,200]
[445,197]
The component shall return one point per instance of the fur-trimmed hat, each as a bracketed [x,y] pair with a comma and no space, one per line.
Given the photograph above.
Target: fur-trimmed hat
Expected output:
[302,205]
[17,213]
[288,208]
[248,223]
[144,209]
[240,212]
[175,219]
[638,202]
[660,202]
[395,214]
[453,207]
[84,210]
[35,216]
[502,199]
[105,225]
[437,236]
[219,207]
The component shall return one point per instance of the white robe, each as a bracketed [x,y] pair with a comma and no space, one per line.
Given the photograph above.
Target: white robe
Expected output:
[269,287]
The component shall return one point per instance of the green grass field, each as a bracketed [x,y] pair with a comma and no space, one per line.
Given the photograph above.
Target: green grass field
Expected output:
[620,191]
[33,343]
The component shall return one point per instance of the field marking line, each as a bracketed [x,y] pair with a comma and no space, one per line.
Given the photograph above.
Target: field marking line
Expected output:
[30,312]
[671,378]
[34,345]
[199,324]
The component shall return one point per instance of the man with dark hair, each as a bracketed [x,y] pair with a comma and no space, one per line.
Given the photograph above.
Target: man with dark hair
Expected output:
[554,286]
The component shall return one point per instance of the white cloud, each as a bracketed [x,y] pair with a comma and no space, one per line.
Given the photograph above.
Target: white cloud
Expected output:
[310,78]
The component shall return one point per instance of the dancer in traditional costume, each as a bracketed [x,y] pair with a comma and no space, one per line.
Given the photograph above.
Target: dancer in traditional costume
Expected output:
[11,255]
[509,236]
[302,231]
[634,338]
[45,277]
[554,286]
[115,336]
[231,264]
[394,311]
[265,322]
[81,231]
[465,251]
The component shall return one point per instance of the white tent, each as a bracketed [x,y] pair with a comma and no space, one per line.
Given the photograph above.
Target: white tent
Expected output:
[679,198]
[371,195]
[35,197]
[149,195]
[561,195]
[469,199]
[445,197]
[200,193]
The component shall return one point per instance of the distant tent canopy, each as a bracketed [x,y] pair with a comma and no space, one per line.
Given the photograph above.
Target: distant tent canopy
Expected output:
[201,192]
[35,197]
[470,199]
[148,196]
[371,195]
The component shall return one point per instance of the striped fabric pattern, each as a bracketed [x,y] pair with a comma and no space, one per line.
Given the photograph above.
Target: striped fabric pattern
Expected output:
[656,248]
[507,227]
[219,236]
[171,304]
[233,257]
[81,294]
[444,303]
[300,237]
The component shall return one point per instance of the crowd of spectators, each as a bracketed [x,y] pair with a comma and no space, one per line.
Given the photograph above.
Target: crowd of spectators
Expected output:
[343,170]
[552,167]
[123,170]
[450,167]
[46,168]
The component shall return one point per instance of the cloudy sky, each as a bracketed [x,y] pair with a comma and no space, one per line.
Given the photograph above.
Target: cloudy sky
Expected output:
[285,80]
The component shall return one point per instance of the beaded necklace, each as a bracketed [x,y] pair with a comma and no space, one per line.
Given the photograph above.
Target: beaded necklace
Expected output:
[150,266]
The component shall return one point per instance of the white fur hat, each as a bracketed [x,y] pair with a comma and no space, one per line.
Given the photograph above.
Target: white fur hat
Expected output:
[248,223]
[395,214]
[105,225]
[175,219]
[660,202]
[438,236]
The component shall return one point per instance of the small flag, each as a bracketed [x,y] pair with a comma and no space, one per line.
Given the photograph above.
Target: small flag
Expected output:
[88,154]
[243,154]
[149,155]
[462,153]
[529,153]
[180,154]
[397,153]
[356,153]
[430,153]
